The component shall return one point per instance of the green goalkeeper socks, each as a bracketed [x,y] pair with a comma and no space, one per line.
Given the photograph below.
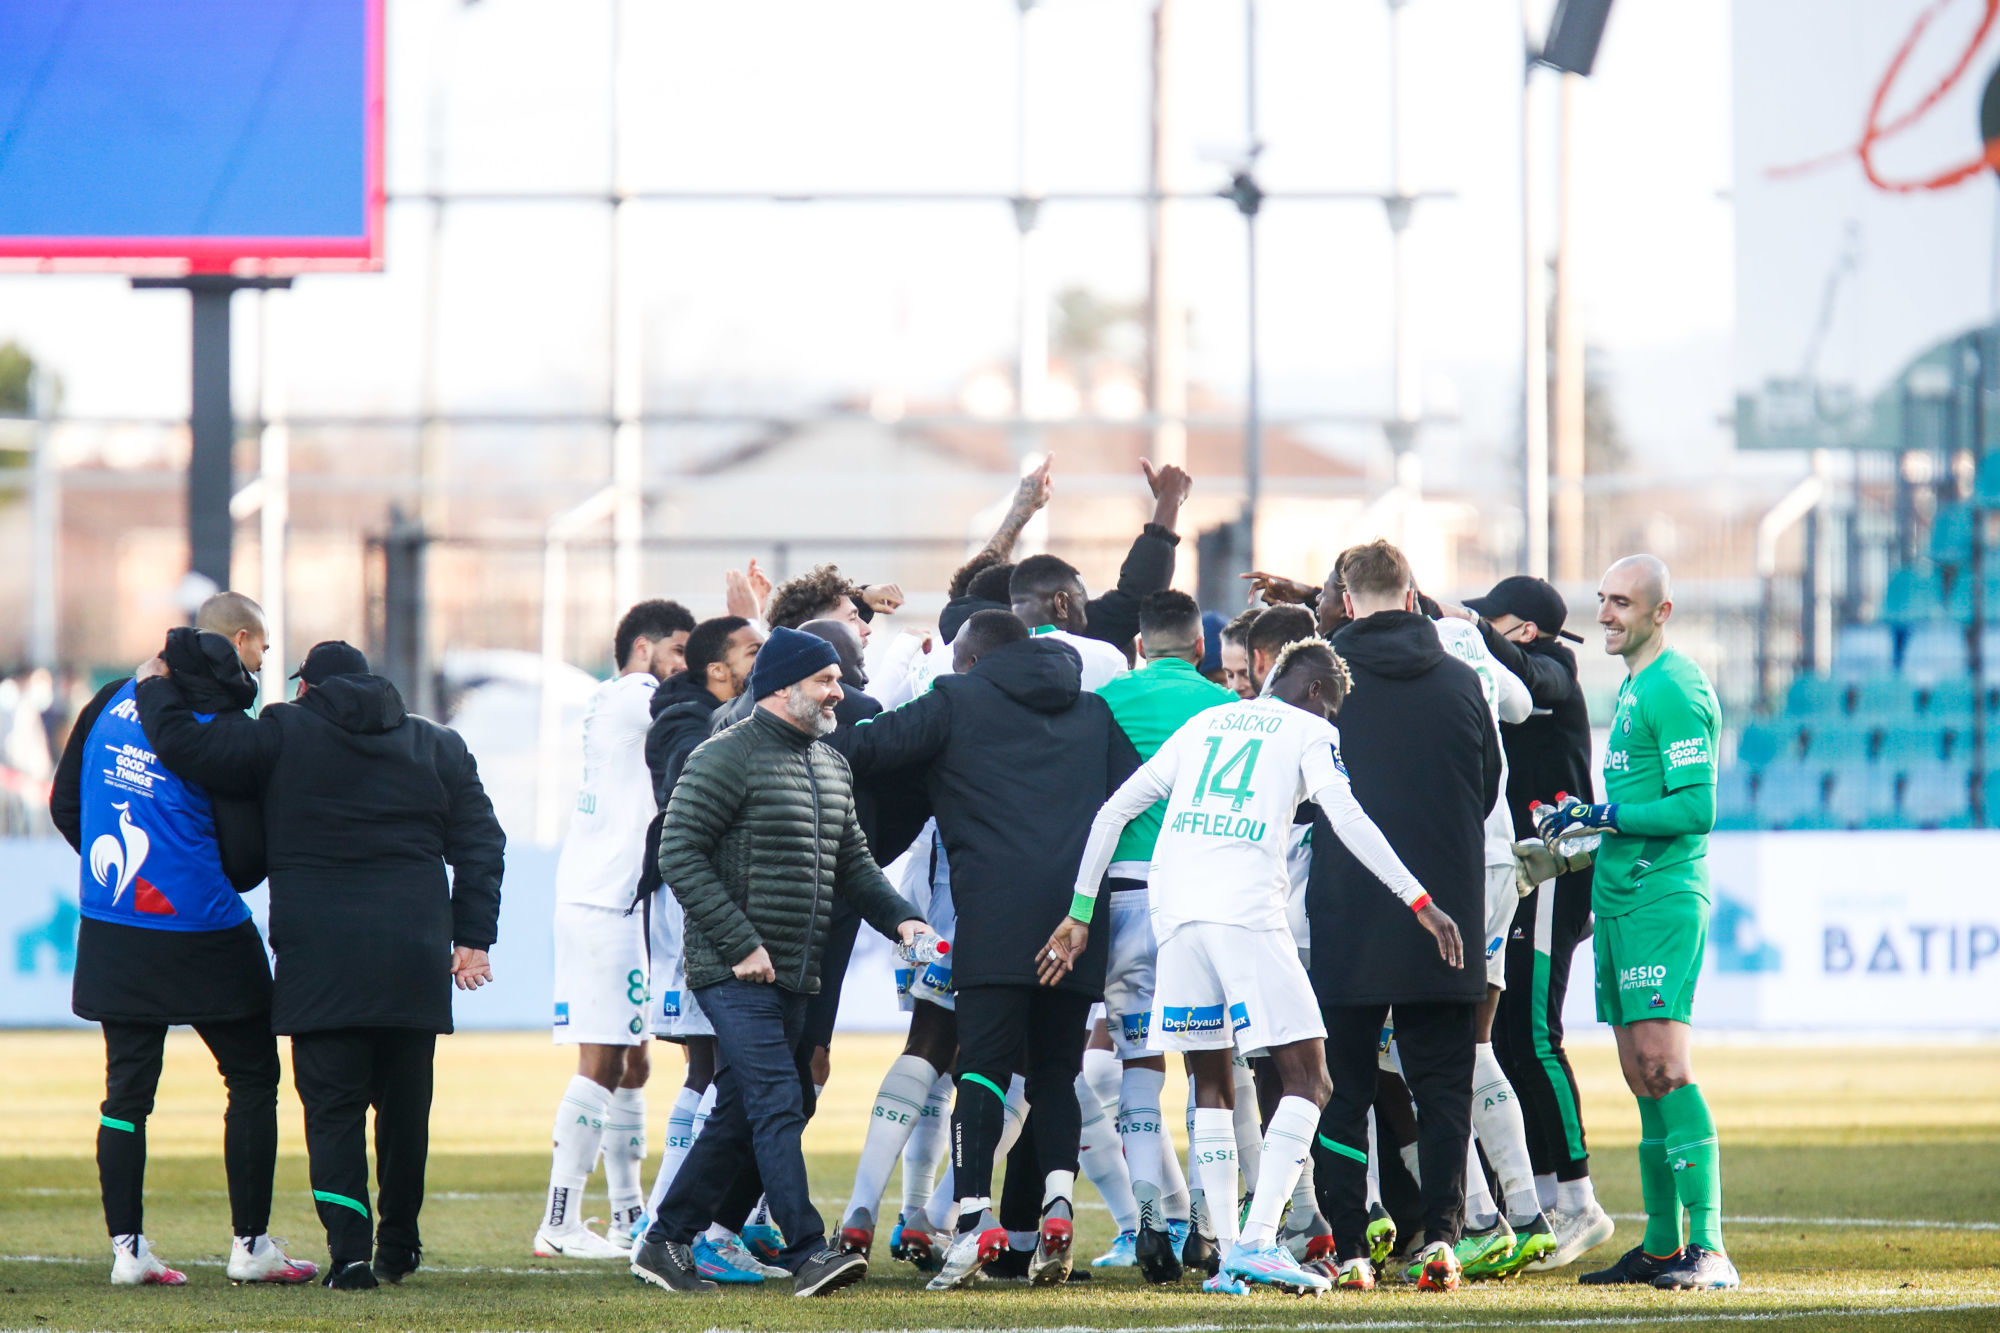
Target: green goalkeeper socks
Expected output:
[1694,1156]
[1656,1183]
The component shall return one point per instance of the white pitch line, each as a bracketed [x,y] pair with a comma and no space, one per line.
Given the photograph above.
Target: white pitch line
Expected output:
[1601,1321]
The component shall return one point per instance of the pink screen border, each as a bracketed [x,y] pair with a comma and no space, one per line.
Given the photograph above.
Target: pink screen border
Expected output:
[234,254]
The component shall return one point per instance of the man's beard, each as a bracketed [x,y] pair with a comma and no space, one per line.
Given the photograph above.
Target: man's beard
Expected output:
[806,714]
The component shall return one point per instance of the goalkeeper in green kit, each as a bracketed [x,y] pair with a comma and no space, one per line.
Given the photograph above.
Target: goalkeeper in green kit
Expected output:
[1651,899]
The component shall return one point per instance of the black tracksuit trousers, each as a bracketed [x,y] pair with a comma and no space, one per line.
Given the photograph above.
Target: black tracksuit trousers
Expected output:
[1039,1033]
[1528,1031]
[246,1054]
[340,1074]
[1435,1044]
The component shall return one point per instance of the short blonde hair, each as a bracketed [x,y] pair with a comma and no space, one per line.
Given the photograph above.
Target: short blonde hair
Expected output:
[1375,569]
[229,614]
[1322,655]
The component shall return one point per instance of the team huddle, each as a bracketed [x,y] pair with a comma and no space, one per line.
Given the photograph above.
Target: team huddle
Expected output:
[1336,854]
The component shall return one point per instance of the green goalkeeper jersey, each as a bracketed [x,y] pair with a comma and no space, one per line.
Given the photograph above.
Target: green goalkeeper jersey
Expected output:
[1663,740]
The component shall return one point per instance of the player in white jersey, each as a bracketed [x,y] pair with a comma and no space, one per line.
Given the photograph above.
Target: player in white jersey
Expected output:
[1228,972]
[1496,1245]
[600,943]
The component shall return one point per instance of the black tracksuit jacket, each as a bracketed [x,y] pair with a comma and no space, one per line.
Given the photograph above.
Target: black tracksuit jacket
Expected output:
[1549,750]
[1418,743]
[1016,759]
[364,806]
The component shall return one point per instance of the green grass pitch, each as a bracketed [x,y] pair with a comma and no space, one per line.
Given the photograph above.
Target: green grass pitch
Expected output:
[1863,1192]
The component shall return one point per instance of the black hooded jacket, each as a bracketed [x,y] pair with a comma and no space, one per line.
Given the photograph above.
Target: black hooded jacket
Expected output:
[1114,617]
[364,806]
[128,974]
[1016,758]
[1548,751]
[1419,747]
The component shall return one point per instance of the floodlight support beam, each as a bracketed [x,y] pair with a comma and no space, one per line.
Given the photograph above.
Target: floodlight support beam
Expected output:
[211,480]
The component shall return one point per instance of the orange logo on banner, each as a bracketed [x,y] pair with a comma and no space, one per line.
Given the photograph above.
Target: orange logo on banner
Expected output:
[1875,131]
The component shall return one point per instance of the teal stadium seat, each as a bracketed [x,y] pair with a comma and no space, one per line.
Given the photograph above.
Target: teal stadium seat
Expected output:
[1735,802]
[1938,795]
[1762,742]
[1912,747]
[1865,650]
[1989,650]
[1838,743]
[1884,699]
[1949,701]
[1958,602]
[1951,535]
[1862,796]
[1815,697]
[1789,795]
[1915,596]
[1934,652]
[1987,488]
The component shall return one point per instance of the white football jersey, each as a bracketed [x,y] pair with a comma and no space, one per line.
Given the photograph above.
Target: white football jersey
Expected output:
[1506,701]
[1233,778]
[605,848]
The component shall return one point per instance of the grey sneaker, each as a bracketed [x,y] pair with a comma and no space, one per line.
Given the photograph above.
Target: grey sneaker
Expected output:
[669,1265]
[828,1270]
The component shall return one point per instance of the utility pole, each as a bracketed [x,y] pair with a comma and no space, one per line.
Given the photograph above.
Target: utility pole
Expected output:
[1534,318]
[1569,419]
[1166,323]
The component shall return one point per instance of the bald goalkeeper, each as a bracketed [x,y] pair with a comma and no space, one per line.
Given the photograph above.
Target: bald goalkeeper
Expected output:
[1651,897]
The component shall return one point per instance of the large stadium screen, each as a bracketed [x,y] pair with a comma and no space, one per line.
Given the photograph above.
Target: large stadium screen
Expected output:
[1867,132]
[191,135]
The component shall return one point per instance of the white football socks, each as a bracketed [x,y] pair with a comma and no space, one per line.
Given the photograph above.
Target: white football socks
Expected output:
[1304,1201]
[1545,1189]
[925,1151]
[1212,1146]
[1248,1125]
[1103,1159]
[1374,1163]
[1576,1196]
[624,1143]
[690,1113]
[1496,1115]
[1106,1074]
[898,1110]
[1142,1134]
[1287,1143]
[1481,1213]
[579,1132]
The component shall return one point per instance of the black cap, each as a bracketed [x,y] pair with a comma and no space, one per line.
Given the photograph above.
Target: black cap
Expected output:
[1529,598]
[332,658]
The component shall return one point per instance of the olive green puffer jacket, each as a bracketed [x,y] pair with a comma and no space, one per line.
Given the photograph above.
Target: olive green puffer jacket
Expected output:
[759,837]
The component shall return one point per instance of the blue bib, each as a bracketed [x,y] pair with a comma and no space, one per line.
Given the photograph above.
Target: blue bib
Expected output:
[149,853]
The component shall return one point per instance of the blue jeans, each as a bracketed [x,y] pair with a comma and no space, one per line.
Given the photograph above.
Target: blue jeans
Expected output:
[763,1095]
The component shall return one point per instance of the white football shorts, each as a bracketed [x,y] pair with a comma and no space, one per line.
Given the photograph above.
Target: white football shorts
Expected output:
[1501,900]
[926,882]
[675,1012]
[1128,970]
[1218,985]
[600,975]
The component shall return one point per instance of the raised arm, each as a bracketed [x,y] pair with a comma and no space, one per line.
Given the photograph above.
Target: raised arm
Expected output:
[1149,565]
[1151,783]
[232,761]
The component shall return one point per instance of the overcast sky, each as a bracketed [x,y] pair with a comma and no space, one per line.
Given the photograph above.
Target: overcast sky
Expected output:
[791,304]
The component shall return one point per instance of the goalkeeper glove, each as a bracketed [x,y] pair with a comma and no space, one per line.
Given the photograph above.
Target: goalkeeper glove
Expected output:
[1568,815]
[1536,862]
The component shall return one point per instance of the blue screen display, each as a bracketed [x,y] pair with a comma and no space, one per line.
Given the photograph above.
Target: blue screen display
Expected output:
[184,118]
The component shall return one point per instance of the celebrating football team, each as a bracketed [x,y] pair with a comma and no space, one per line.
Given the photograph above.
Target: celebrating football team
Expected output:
[1335,854]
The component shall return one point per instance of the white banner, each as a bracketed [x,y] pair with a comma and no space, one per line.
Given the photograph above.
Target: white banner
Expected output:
[1843,932]
[38,923]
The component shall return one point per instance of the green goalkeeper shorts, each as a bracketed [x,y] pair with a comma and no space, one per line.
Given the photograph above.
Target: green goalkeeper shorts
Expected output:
[1649,959]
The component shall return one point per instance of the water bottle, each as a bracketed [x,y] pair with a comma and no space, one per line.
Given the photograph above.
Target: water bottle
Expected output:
[924,950]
